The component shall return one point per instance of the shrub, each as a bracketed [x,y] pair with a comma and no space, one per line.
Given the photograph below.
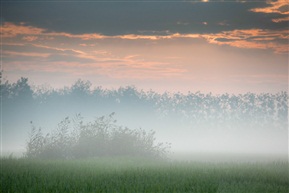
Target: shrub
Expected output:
[74,139]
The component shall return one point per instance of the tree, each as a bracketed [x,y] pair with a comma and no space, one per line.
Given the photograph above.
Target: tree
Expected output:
[94,139]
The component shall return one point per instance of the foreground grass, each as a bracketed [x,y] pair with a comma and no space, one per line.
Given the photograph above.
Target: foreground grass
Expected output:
[136,175]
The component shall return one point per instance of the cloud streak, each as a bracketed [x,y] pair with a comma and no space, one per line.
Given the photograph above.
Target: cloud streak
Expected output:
[280,7]
[10,30]
[249,38]
[253,38]
[28,54]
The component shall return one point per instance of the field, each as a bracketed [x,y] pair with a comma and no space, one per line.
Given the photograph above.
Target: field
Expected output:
[138,175]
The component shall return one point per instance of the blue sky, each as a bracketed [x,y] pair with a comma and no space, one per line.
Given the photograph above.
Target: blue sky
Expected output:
[208,46]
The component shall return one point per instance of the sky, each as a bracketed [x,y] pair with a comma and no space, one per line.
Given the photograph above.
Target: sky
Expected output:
[177,46]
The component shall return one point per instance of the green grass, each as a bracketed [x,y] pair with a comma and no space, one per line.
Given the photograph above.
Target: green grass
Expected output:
[137,175]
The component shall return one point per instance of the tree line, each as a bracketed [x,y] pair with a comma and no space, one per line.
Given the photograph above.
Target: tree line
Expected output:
[248,110]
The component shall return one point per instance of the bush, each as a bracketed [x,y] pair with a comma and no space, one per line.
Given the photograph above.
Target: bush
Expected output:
[74,139]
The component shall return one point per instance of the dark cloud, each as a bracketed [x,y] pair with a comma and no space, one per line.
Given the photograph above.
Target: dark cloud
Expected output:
[116,18]
[223,40]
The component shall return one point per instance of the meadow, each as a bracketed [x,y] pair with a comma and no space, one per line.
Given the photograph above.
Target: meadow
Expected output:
[141,175]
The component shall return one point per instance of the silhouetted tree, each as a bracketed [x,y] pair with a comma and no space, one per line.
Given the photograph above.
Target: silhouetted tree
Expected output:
[94,139]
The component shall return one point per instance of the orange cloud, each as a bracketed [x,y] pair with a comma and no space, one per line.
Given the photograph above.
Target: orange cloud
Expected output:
[278,20]
[249,38]
[279,6]
[252,38]
[87,45]
[30,38]
[58,49]
[9,30]
[81,36]
[156,37]
[101,61]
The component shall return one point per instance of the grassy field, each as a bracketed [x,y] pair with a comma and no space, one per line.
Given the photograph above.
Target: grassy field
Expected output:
[137,175]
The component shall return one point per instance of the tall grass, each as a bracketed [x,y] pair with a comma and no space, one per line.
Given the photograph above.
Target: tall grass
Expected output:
[138,175]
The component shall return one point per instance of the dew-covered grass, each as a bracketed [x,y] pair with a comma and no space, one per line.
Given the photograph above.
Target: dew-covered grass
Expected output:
[138,175]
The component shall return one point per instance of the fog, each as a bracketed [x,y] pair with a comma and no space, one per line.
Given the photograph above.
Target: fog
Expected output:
[199,126]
